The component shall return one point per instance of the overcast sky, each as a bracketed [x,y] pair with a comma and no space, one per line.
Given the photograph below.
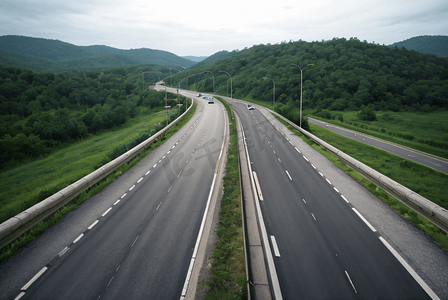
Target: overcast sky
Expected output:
[204,27]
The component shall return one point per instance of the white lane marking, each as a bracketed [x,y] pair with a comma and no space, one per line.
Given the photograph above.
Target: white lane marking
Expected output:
[321,174]
[313,166]
[365,221]
[93,224]
[257,184]
[288,174]
[164,157]
[135,240]
[147,172]
[279,159]
[313,216]
[411,271]
[110,281]
[304,201]
[179,173]
[329,182]
[138,181]
[124,195]
[336,189]
[273,151]
[116,202]
[350,281]
[158,206]
[26,286]
[19,296]
[78,238]
[305,158]
[274,245]
[154,166]
[63,251]
[344,198]
[297,150]
[160,161]
[291,143]
[132,187]
[106,212]
[170,189]
[168,152]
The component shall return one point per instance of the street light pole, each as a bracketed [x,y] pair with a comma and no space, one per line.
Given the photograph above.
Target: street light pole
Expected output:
[231,87]
[301,76]
[273,92]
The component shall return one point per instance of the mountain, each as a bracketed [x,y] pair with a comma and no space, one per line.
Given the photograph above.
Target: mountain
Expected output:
[212,59]
[44,54]
[195,58]
[437,44]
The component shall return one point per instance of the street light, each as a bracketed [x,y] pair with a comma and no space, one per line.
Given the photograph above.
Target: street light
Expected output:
[231,88]
[301,76]
[213,79]
[273,92]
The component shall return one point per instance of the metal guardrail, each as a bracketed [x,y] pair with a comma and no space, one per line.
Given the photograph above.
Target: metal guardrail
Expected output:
[426,208]
[19,224]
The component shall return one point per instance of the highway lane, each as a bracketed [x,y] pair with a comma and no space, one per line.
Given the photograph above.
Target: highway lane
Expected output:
[419,157]
[142,244]
[323,249]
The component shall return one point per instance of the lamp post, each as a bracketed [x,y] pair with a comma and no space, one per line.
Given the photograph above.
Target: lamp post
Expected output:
[301,76]
[231,88]
[273,92]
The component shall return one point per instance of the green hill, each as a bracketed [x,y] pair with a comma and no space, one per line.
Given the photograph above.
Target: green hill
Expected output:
[343,75]
[437,45]
[53,55]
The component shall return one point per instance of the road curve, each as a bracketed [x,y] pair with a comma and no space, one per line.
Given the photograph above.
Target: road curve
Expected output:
[136,237]
[419,157]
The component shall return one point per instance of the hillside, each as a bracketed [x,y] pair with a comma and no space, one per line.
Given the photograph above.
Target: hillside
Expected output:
[437,45]
[342,75]
[53,55]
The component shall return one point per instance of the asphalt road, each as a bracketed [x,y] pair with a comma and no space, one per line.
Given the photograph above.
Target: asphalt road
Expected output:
[322,248]
[419,157]
[139,241]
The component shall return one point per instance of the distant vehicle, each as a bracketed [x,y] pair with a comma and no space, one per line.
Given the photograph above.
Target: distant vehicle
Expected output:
[250,107]
[209,99]
[199,95]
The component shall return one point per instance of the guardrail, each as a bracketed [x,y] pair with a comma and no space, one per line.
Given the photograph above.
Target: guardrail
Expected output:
[426,208]
[19,224]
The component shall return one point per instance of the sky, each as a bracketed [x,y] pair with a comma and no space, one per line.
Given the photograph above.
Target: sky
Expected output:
[202,28]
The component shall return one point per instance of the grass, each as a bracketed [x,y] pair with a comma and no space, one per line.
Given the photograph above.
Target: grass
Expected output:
[227,278]
[408,174]
[426,132]
[9,250]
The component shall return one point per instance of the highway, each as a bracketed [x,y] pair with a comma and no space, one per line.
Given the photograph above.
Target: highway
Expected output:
[419,157]
[322,247]
[141,240]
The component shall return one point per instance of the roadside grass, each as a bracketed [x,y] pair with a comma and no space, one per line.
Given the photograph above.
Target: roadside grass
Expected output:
[96,157]
[405,172]
[426,132]
[227,278]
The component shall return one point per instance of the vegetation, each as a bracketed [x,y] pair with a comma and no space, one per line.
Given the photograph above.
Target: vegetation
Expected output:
[228,274]
[93,155]
[40,112]
[53,55]
[410,173]
[437,45]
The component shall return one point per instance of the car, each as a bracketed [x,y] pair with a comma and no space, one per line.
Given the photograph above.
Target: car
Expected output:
[199,95]
[250,107]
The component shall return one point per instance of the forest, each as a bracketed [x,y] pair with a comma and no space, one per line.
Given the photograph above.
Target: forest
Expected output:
[338,75]
[41,111]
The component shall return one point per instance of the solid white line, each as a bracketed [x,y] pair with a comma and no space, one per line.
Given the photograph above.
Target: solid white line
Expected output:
[274,245]
[93,224]
[26,286]
[411,271]
[116,202]
[105,213]
[313,216]
[305,158]
[124,195]
[132,187]
[344,198]
[350,281]
[336,189]
[19,296]
[288,174]
[78,238]
[138,181]
[365,221]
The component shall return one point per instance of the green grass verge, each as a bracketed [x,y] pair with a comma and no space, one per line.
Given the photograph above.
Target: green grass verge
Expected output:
[383,161]
[9,250]
[227,278]
[426,132]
